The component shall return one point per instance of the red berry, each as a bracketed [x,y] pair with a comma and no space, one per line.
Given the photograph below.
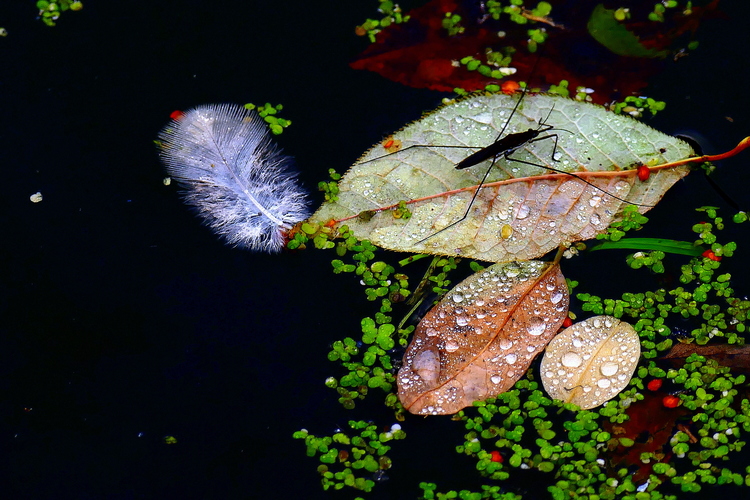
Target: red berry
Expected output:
[670,401]
[711,255]
[176,115]
[567,322]
[510,87]
[643,173]
[496,456]
[654,385]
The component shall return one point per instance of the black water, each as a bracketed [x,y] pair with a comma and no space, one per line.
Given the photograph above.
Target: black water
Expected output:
[123,320]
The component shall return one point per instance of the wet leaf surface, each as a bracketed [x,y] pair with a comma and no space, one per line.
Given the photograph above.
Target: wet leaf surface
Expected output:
[482,336]
[522,211]
[590,362]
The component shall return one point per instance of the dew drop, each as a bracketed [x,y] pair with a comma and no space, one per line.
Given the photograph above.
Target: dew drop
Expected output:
[511,358]
[577,343]
[505,344]
[557,297]
[609,369]
[512,272]
[523,212]
[571,360]
[458,297]
[621,186]
[603,383]
[506,232]
[496,379]
[536,326]
[431,332]
[462,321]
[451,346]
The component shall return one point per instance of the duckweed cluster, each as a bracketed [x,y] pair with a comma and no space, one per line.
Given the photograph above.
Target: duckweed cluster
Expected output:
[593,454]
[269,114]
[49,11]
[360,455]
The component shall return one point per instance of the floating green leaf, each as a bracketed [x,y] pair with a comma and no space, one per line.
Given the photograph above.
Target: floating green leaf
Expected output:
[522,211]
[590,362]
[664,245]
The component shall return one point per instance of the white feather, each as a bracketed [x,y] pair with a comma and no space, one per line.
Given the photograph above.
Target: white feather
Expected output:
[241,184]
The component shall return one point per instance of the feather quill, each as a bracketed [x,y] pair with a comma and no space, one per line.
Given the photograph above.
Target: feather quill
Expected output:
[234,175]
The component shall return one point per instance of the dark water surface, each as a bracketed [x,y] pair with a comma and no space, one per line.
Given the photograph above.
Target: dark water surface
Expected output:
[123,320]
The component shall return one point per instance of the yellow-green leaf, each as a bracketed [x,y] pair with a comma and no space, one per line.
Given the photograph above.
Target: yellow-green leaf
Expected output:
[522,211]
[590,362]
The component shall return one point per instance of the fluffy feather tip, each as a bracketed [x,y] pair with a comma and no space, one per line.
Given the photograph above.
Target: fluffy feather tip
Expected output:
[234,175]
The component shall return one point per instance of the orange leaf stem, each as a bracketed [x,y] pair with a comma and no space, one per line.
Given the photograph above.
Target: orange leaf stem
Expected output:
[743,144]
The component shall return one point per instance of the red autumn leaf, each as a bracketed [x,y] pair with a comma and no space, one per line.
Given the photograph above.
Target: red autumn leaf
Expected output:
[650,426]
[420,53]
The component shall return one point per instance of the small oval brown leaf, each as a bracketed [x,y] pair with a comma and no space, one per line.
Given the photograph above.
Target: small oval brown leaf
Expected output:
[590,362]
[482,336]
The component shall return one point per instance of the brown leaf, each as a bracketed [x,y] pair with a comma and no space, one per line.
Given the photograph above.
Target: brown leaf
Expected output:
[736,357]
[481,338]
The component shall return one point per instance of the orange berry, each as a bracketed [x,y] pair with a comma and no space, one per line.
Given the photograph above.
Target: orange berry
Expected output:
[654,385]
[643,173]
[711,255]
[670,401]
[509,87]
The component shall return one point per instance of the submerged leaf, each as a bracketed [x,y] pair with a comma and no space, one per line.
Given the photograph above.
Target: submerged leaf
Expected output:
[590,362]
[615,36]
[480,339]
[522,211]
[649,427]
[736,357]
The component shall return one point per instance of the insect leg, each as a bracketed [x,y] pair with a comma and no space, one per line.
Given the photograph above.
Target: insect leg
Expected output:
[508,157]
[554,148]
[468,208]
